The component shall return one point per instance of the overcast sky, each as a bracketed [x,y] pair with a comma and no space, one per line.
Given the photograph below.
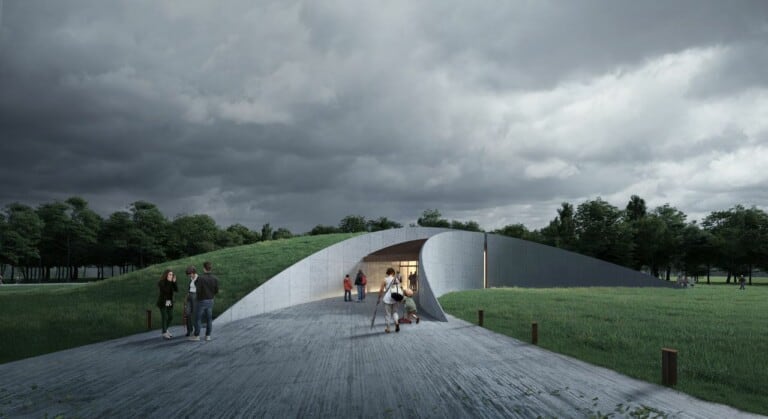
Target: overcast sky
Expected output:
[298,113]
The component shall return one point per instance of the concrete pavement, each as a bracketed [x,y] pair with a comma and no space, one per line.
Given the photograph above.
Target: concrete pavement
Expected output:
[322,359]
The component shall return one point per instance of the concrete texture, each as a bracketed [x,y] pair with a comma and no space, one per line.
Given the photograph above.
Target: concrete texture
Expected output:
[515,262]
[322,359]
[450,261]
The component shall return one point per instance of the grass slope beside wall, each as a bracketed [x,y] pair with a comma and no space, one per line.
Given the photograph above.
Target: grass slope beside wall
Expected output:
[48,318]
[721,333]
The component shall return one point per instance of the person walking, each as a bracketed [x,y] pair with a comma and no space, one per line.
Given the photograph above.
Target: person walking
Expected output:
[385,296]
[347,289]
[742,282]
[207,286]
[191,301]
[167,286]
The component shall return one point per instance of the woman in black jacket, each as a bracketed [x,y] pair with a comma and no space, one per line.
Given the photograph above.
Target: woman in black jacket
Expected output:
[167,286]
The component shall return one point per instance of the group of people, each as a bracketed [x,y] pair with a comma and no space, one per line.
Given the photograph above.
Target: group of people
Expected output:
[361,281]
[683,281]
[391,293]
[198,303]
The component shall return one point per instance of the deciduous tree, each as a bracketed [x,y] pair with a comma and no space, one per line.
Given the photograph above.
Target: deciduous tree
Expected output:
[21,236]
[601,232]
[323,229]
[246,235]
[432,218]
[382,223]
[266,232]
[518,231]
[82,238]
[353,224]
[282,233]
[114,236]
[190,235]
[150,235]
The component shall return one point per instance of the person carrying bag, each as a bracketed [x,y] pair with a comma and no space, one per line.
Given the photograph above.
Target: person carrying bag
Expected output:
[388,292]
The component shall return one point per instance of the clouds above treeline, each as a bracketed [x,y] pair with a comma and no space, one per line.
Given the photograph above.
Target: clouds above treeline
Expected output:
[298,113]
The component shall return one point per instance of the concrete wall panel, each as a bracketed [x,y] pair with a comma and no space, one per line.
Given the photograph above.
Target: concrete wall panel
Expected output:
[451,261]
[515,262]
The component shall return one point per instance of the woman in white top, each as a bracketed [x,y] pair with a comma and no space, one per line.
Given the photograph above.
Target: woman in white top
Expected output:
[389,284]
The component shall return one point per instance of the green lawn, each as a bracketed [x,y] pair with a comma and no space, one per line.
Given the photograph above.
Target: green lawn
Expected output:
[720,332]
[46,318]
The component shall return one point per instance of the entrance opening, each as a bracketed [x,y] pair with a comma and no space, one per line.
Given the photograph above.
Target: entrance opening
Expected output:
[403,257]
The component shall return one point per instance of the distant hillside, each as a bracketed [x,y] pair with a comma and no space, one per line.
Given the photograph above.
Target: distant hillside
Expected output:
[40,319]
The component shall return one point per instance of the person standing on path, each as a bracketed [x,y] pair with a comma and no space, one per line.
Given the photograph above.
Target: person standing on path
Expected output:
[191,302]
[347,289]
[360,281]
[207,287]
[167,286]
[385,296]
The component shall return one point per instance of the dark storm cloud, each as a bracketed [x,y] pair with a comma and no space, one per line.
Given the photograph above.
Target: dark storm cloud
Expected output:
[299,113]
[529,45]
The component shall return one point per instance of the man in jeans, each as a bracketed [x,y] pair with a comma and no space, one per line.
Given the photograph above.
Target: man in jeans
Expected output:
[207,287]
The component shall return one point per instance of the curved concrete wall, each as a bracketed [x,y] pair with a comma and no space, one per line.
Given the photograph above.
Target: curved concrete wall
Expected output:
[520,263]
[319,275]
[451,261]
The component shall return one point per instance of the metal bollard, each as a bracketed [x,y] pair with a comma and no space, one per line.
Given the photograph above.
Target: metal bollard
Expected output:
[668,367]
[535,333]
[480,316]
[149,319]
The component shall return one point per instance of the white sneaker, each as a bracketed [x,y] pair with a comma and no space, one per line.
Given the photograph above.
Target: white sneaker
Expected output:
[207,338]
[166,335]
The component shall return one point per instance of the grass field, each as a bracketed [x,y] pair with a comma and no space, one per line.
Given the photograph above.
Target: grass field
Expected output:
[721,333]
[47,318]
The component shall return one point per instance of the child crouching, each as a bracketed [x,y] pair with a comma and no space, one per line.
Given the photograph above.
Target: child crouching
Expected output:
[410,306]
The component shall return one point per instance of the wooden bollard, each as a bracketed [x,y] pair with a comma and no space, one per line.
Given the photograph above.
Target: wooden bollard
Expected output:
[149,319]
[480,316]
[668,367]
[535,333]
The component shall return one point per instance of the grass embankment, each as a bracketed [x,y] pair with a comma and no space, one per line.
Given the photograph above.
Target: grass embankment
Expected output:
[48,318]
[720,332]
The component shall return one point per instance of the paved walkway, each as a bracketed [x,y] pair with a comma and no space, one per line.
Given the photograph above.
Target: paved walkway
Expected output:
[322,360]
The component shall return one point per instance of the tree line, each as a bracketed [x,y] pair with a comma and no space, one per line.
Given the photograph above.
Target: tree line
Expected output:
[658,241]
[50,242]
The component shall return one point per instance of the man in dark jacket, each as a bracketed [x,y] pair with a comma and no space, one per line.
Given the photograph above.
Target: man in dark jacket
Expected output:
[360,281]
[207,287]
